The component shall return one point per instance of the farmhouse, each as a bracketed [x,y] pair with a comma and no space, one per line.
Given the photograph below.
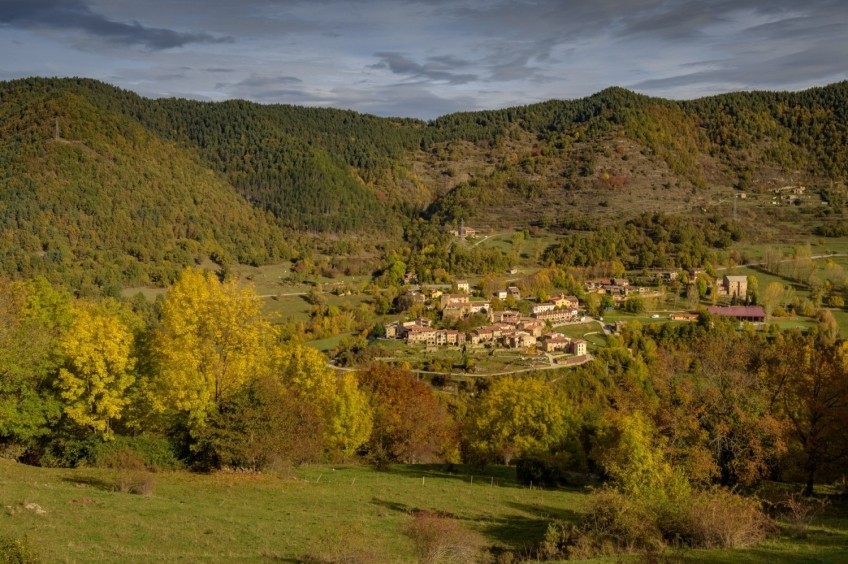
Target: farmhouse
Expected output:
[754,314]
[735,286]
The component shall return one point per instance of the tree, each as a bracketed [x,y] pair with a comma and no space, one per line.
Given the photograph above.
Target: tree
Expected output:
[772,297]
[211,341]
[410,424]
[262,425]
[33,316]
[338,401]
[808,381]
[753,289]
[98,368]
[516,416]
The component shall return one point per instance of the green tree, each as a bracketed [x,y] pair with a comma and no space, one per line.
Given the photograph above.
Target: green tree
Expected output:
[33,316]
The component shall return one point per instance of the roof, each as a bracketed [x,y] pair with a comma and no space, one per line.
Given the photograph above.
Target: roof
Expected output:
[736,278]
[738,311]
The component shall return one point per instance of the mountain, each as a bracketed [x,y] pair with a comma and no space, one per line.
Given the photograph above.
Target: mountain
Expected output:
[102,187]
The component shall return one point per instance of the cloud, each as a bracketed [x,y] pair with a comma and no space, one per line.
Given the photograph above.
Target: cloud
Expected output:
[76,15]
[269,89]
[436,68]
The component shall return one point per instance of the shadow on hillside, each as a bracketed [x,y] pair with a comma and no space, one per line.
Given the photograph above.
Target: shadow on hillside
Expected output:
[91,482]
[525,532]
[403,508]
[501,476]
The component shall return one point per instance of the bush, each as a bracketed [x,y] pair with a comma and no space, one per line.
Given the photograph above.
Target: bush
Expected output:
[442,540]
[722,519]
[16,551]
[618,523]
[153,453]
[135,482]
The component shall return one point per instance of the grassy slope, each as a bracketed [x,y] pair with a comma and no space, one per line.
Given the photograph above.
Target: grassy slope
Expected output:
[317,512]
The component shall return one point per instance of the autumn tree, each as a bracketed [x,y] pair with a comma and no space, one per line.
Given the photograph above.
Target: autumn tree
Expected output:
[516,416]
[343,408]
[808,383]
[410,423]
[211,341]
[98,368]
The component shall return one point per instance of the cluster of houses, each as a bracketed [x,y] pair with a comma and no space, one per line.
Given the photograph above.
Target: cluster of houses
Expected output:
[507,328]
[617,288]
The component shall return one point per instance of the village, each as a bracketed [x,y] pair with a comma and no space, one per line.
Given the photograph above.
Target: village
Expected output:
[505,327]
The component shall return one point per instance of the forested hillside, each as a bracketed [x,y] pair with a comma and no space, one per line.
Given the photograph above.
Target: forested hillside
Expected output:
[101,187]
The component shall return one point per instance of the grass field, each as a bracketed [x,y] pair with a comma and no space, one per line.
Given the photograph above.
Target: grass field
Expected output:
[341,514]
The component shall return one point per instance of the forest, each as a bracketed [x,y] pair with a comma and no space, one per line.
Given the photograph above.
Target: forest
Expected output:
[102,188]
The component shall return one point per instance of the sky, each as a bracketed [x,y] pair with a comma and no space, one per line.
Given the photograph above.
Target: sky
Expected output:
[426,58]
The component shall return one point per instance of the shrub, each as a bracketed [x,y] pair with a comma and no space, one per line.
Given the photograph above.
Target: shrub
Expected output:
[17,551]
[443,540]
[135,482]
[618,523]
[153,453]
[722,519]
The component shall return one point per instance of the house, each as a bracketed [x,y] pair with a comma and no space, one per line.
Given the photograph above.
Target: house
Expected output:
[482,335]
[565,302]
[519,340]
[454,300]
[691,317]
[557,316]
[501,294]
[544,306]
[392,330]
[479,307]
[506,316]
[754,314]
[735,286]
[578,347]
[417,335]
[450,338]
[463,286]
[530,325]
[554,342]
[514,292]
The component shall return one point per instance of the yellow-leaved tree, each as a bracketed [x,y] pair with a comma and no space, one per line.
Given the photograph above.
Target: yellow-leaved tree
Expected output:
[342,406]
[516,416]
[212,340]
[98,368]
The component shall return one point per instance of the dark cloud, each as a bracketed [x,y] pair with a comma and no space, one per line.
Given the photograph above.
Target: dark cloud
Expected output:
[76,15]
[436,68]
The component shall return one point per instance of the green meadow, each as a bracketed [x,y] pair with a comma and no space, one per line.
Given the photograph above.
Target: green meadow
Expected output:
[319,514]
